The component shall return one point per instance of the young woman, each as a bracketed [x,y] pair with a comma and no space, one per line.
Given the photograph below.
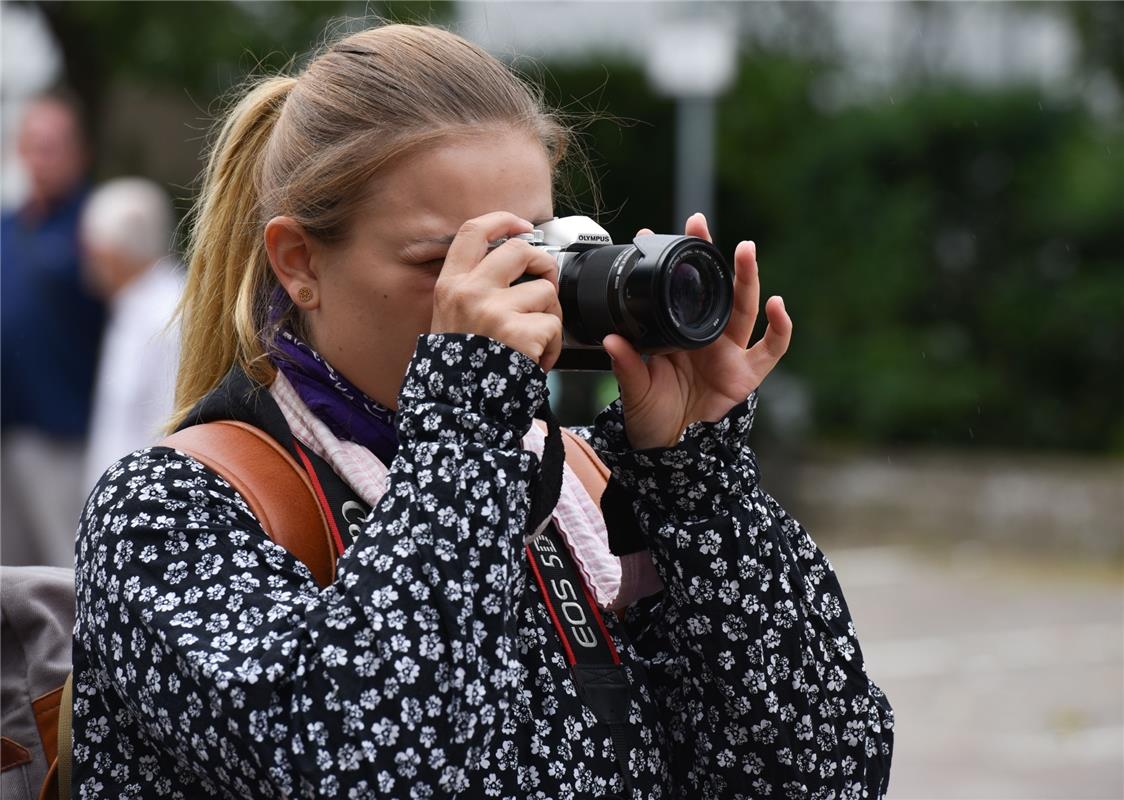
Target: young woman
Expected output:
[343,296]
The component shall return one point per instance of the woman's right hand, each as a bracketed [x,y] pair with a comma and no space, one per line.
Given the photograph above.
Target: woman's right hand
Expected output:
[474,292]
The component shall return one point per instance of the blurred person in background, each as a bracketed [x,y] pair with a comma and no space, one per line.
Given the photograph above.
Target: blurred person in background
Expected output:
[51,330]
[126,233]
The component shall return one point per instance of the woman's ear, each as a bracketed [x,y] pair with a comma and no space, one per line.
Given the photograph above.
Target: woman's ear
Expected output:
[290,254]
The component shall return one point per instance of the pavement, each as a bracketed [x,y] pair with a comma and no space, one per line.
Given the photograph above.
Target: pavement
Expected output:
[1006,671]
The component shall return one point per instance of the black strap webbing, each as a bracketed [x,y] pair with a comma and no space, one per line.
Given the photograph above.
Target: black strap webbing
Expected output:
[593,659]
[548,485]
[590,652]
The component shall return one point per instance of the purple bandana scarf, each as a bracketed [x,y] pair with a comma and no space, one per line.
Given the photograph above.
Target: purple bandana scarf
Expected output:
[348,412]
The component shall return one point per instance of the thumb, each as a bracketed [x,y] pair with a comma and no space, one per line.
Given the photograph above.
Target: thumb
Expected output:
[630,369]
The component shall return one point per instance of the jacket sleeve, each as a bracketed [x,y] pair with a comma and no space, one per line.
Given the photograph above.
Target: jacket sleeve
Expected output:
[221,647]
[751,648]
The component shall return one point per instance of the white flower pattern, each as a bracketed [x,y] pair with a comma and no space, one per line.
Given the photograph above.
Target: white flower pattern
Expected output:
[208,662]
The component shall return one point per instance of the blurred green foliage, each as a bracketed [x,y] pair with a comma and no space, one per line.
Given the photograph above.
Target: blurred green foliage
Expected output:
[953,257]
[199,48]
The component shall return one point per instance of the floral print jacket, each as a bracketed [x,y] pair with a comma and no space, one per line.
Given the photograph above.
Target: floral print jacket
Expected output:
[208,662]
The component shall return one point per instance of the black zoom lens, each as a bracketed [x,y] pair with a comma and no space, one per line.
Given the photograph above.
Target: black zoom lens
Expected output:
[661,292]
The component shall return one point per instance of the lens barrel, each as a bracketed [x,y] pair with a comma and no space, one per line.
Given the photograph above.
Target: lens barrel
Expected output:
[661,292]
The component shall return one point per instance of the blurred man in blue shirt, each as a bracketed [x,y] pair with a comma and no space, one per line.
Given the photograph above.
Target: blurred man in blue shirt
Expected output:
[50,330]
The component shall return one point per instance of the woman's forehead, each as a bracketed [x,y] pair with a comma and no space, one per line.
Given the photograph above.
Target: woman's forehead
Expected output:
[434,191]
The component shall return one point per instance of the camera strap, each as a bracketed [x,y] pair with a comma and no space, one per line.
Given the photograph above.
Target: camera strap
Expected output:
[547,486]
[594,662]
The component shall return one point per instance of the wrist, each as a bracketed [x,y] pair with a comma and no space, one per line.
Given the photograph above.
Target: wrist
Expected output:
[694,477]
[648,440]
[467,386]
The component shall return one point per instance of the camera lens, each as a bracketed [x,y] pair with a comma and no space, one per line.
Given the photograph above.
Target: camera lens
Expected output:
[688,297]
[661,292]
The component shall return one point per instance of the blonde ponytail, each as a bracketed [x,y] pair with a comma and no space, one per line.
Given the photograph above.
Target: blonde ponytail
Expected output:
[229,275]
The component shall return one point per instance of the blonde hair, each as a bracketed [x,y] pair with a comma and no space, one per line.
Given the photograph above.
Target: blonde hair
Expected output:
[307,147]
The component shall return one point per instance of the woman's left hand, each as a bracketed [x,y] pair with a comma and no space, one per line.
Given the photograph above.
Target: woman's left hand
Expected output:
[666,393]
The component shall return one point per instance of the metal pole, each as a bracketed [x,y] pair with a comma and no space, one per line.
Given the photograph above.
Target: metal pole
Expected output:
[694,158]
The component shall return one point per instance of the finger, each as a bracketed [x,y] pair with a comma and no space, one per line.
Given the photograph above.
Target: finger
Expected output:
[644,232]
[630,369]
[747,294]
[555,307]
[514,259]
[541,334]
[536,295]
[470,244]
[554,346]
[696,226]
[774,344]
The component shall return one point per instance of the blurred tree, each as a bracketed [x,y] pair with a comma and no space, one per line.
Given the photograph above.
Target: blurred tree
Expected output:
[199,48]
[952,259]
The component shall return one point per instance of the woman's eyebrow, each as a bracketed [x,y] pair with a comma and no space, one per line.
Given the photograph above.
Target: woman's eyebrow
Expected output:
[449,239]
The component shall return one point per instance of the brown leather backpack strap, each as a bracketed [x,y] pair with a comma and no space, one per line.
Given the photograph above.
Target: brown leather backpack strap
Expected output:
[272,483]
[590,469]
[63,765]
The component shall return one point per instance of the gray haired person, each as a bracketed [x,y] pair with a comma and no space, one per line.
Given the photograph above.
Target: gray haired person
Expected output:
[126,232]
